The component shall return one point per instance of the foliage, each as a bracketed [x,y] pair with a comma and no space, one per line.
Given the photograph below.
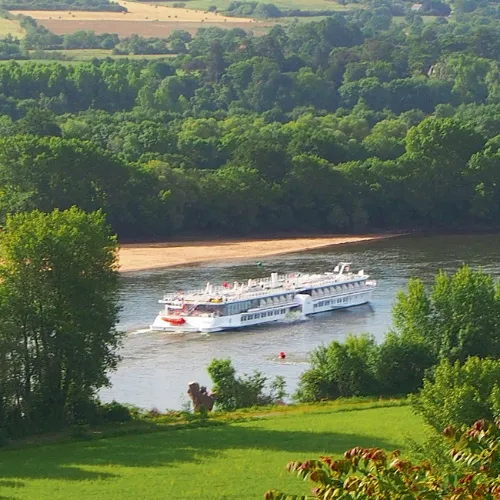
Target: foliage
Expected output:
[372,473]
[452,322]
[456,319]
[59,304]
[351,123]
[234,392]
[341,370]
[115,412]
[270,10]
[401,365]
[460,394]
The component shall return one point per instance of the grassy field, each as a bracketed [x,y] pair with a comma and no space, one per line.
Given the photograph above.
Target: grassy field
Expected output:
[89,54]
[80,55]
[425,19]
[287,4]
[8,27]
[229,461]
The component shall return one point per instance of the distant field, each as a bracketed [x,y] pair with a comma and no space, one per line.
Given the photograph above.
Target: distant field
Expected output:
[233,461]
[79,55]
[425,19]
[8,27]
[144,28]
[142,18]
[286,4]
[88,54]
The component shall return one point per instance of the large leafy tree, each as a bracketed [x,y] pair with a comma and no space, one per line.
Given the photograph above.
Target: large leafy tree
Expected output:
[50,172]
[457,319]
[59,306]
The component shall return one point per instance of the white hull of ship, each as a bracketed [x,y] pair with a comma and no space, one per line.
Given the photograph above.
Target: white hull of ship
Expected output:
[303,307]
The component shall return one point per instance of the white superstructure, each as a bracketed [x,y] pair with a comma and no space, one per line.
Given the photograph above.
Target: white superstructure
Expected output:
[265,300]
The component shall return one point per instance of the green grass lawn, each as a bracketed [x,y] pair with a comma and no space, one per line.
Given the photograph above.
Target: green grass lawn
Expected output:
[229,461]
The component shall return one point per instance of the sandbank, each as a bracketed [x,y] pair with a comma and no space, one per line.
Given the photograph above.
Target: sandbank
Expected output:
[149,256]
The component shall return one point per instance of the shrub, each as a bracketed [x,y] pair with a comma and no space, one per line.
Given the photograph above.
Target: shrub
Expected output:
[115,412]
[242,392]
[459,393]
[341,370]
[80,431]
[370,473]
[4,437]
[401,365]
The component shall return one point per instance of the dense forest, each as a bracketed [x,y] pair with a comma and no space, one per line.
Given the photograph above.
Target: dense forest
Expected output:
[352,123]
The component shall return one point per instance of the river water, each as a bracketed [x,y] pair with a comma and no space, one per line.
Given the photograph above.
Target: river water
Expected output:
[157,367]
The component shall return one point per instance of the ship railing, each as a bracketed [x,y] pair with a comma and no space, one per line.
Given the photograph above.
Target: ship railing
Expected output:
[235,293]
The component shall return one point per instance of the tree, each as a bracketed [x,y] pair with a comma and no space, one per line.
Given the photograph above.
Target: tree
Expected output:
[341,370]
[459,394]
[402,364]
[50,172]
[458,318]
[59,307]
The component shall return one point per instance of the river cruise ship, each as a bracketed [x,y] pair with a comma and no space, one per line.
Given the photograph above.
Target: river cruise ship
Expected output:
[276,298]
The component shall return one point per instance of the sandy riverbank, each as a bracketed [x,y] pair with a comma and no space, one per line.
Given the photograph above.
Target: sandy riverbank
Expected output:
[146,256]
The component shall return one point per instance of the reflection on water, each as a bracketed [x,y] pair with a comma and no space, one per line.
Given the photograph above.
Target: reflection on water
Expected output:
[157,367]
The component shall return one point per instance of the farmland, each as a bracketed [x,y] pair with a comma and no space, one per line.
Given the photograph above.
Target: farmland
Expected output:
[10,27]
[147,20]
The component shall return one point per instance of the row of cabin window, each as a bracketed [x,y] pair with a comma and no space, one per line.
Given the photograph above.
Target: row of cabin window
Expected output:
[339,288]
[263,315]
[322,303]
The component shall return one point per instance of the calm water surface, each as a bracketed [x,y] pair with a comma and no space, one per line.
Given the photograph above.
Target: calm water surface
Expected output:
[157,367]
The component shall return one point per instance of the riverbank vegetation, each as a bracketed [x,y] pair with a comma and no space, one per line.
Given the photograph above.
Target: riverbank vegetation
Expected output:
[442,345]
[443,348]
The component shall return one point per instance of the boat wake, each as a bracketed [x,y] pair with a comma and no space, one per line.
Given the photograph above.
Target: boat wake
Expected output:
[137,332]
[294,319]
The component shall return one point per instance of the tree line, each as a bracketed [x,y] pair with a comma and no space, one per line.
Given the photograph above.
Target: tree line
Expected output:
[91,5]
[353,123]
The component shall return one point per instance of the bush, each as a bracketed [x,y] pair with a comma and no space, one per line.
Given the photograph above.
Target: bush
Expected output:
[115,412]
[4,437]
[80,431]
[242,392]
[460,393]
[341,370]
[401,365]
[370,473]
